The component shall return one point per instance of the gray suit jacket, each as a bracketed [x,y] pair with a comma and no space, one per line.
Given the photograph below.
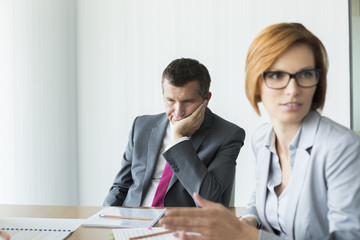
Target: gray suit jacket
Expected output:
[204,164]
[324,189]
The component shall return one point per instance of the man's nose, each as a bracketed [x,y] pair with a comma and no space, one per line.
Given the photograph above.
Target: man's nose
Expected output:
[179,109]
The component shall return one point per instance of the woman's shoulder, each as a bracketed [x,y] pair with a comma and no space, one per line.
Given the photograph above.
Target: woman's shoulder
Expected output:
[323,128]
[329,127]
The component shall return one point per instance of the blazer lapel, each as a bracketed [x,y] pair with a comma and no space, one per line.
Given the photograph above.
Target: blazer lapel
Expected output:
[172,181]
[155,143]
[302,160]
[295,186]
[262,178]
[198,137]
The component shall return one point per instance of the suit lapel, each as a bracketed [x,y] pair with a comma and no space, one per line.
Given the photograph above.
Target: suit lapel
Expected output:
[295,186]
[172,181]
[302,160]
[262,176]
[198,137]
[155,143]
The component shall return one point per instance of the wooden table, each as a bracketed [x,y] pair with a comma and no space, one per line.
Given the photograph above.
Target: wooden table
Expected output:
[77,212]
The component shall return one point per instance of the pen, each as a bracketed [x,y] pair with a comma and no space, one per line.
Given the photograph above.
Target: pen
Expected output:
[152,234]
[124,217]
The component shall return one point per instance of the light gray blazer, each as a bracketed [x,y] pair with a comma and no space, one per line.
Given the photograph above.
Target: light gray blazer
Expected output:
[324,189]
[204,164]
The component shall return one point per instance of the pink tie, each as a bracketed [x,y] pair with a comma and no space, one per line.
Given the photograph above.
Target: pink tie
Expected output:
[162,187]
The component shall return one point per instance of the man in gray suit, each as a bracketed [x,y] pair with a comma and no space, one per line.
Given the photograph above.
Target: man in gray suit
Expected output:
[200,147]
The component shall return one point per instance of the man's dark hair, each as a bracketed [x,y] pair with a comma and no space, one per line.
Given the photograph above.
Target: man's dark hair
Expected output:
[184,70]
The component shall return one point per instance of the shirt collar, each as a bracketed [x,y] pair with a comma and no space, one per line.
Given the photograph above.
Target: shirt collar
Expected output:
[270,143]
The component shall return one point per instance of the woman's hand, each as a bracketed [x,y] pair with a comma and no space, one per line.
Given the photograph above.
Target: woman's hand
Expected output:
[4,236]
[211,221]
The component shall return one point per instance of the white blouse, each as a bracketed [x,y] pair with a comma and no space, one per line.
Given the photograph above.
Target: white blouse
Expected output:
[275,207]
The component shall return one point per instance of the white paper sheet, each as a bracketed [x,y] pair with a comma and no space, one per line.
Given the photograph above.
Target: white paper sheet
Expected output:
[39,228]
[125,234]
[152,213]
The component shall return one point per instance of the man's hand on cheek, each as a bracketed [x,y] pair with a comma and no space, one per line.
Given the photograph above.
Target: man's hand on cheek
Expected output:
[191,124]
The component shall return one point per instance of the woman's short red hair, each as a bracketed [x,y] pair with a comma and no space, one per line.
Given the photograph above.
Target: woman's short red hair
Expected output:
[269,44]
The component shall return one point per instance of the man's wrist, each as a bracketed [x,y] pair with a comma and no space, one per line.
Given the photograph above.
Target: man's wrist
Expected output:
[177,136]
[176,142]
[251,221]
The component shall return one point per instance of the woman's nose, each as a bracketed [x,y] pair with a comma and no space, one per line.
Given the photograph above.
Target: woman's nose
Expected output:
[292,87]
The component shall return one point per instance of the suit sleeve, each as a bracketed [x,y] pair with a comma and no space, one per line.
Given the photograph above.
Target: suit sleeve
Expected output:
[211,170]
[123,179]
[342,176]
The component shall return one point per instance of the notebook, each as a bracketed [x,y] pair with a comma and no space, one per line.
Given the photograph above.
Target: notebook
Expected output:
[38,228]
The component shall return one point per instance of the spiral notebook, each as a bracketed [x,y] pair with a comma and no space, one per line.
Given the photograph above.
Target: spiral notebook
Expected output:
[39,228]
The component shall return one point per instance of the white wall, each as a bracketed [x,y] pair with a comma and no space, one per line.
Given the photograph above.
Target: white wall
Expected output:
[74,74]
[356,71]
[38,160]
[123,46]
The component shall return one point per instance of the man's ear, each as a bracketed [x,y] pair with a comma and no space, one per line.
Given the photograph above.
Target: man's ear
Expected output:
[208,96]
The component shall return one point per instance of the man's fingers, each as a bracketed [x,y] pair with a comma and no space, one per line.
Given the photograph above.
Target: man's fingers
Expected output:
[203,202]
[198,212]
[187,236]
[198,115]
[201,108]
[206,102]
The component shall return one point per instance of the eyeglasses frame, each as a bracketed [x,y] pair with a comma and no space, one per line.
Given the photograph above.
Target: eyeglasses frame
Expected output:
[293,75]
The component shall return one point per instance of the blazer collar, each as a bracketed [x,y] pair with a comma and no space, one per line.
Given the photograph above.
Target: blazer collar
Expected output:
[302,159]
[156,139]
[262,175]
[155,142]
[309,129]
[197,138]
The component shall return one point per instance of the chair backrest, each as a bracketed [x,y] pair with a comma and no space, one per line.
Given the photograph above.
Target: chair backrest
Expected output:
[232,196]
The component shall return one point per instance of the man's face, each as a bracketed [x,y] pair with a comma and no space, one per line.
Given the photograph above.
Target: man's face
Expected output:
[181,102]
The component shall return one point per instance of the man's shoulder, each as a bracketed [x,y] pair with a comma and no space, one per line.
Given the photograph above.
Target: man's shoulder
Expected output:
[216,119]
[224,127]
